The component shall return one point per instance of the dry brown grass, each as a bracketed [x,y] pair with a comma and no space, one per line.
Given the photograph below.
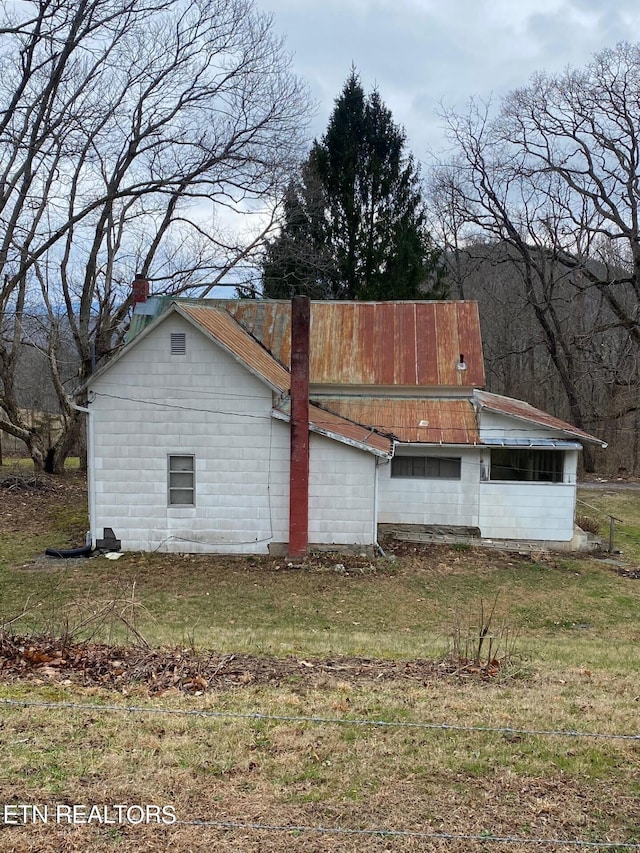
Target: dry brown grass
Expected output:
[296,773]
[547,808]
[578,634]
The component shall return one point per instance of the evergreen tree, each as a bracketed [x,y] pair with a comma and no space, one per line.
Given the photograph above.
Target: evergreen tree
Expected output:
[300,260]
[354,219]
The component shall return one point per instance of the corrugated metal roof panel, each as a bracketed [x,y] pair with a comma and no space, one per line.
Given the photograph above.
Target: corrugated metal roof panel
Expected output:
[447,347]
[411,420]
[522,410]
[225,329]
[470,340]
[330,422]
[269,321]
[323,421]
[426,349]
[375,343]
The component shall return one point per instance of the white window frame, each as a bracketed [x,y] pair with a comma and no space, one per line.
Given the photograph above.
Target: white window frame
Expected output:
[427,463]
[174,471]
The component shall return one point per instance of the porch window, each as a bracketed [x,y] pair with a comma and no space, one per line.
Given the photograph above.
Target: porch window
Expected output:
[427,467]
[527,465]
[182,480]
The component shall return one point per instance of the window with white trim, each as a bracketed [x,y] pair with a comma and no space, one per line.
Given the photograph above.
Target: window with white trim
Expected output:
[427,467]
[181,476]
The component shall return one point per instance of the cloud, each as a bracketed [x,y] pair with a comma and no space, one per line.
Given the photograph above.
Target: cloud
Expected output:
[421,52]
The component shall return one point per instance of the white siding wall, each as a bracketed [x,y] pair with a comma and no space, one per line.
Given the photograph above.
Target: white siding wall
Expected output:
[202,403]
[539,511]
[514,510]
[431,501]
[542,511]
[341,493]
[151,404]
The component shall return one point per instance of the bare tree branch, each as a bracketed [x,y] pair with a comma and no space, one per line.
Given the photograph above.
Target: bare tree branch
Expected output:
[123,125]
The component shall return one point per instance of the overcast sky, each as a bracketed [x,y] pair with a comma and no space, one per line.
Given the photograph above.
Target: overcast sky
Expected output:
[421,52]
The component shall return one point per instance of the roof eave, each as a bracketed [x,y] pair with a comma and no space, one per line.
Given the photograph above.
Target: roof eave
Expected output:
[126,349]
[335,436]
[459,444]
[582,437]
[238,359]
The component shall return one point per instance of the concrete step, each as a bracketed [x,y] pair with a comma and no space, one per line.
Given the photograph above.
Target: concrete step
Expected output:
[523,547]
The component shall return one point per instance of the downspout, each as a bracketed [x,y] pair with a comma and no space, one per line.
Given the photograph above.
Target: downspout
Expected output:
[477,410]
[90,472]
[299,453]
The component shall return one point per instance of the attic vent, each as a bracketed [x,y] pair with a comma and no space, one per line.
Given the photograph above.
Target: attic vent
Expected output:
[178,343]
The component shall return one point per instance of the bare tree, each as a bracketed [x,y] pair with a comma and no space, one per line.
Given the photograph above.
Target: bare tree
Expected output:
[579,140]
[553,177]
[131,131]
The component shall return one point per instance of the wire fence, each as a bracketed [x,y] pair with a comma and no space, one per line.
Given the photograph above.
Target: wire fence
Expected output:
[484,838]
[340,721]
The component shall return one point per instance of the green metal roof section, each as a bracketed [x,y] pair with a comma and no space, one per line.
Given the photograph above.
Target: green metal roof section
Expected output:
[145,313]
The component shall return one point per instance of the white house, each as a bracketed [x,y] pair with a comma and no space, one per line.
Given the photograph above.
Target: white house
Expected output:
[192,446]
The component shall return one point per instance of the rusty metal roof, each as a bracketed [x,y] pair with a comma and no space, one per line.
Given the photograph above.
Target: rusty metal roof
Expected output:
[224,328]
[421,420]
[329,423]
[375,343]
[523,411]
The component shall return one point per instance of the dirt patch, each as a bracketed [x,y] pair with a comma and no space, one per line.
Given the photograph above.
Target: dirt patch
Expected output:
[43,563]
[27,501]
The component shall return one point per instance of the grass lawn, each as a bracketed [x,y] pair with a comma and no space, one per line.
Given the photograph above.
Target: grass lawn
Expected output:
[565,631]
[622,503]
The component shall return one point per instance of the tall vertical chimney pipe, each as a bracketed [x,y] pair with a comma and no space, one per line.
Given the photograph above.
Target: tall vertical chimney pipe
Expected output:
[299,460]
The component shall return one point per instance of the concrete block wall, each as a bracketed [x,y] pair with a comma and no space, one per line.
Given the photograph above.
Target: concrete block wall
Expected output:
[341,493]
[501,510]
[151,404]
[543,511]
[431,501]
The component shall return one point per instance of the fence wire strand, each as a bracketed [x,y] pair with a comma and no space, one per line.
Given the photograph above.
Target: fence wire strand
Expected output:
[408,833]
[341,721]
[378,832]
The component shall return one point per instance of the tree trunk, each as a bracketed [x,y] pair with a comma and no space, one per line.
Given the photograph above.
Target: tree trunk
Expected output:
[58,453]
[588,459]
[50,457]
[37,451]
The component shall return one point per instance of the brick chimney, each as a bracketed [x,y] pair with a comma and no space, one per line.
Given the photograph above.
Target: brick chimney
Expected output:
[140,289]
[299,465]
